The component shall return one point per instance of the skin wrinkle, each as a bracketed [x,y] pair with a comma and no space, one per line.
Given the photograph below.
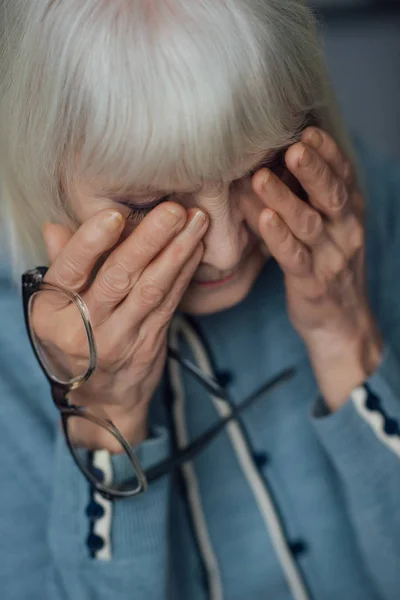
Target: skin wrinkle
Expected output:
[232,243]
[226,242]
[226,235]
[231,234]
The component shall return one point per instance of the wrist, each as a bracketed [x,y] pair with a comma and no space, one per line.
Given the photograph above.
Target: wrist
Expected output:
[131,424]
[341,364]
[134,429]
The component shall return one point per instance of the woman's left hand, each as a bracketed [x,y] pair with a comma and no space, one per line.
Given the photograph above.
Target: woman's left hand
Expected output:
[320,248]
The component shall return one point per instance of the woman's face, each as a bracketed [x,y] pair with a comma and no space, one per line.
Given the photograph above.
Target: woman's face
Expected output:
[233,255]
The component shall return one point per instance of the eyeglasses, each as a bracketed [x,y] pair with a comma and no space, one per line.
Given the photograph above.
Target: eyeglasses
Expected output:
[69,365]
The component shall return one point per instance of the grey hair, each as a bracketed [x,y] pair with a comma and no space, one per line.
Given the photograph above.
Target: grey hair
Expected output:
[135,92]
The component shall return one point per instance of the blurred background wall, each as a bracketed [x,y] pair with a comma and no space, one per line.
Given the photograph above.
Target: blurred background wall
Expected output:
[362,42]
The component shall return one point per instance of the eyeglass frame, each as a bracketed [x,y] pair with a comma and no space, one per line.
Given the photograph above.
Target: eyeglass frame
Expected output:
[32,283]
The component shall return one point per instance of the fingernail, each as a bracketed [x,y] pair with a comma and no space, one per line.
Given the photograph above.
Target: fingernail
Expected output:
[171,215]
[313,222]
[272,218]
[267,177]
[306,157]
[197,222]
[111,221]
[315,140]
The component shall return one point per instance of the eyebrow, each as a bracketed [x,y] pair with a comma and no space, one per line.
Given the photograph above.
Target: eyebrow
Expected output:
[267,161]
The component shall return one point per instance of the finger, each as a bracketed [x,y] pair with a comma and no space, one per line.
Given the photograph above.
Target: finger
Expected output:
[293,257]
[157,280]
[252,206]
[119,273]
[326,190]
[328,262]
[56,238]
[72,267]
[163,314]
[304,221]
[349,236]
[143,282]
[323,143]
[158,319]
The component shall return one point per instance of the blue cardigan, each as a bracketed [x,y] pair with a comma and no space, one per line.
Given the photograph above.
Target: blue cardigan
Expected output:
[290,502]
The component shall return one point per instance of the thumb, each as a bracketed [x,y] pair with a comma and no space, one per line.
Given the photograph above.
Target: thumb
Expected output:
[56,237]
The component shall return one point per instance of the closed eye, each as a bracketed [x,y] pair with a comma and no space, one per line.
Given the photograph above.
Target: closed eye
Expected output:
[138,213]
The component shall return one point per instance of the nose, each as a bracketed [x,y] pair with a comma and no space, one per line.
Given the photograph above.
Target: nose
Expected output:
[227,236]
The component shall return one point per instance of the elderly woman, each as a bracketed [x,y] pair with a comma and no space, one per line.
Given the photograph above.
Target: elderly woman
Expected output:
[218,322]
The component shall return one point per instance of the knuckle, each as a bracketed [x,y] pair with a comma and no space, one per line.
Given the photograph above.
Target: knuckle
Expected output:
[150,244]
[339,265]
[167,309]
[287,243]
[150,346]
[348,172]
[312,227]
[297,263]
[115,279]
[357,237]
[340,194]
[149,293]
[299,258]
[319,169]
[68,274]
[318,293]
[332,269]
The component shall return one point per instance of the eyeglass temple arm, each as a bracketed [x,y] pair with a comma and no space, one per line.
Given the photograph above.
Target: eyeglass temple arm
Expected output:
[211,384]
[189,452]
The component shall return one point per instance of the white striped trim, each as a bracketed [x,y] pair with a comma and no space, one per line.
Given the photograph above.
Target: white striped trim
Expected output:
[189,474]
[253,477]
[375,420]
[102,527]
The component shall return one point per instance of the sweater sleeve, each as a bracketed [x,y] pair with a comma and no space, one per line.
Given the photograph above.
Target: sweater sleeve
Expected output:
[362,439]
[363,442]
[44,499]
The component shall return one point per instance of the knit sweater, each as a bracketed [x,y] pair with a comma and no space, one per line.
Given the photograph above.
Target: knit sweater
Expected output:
[288,502]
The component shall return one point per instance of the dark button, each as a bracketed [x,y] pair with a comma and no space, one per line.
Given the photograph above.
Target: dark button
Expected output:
[94,511]
[298,547]
[261,459]
[95,542]
[372,403]
[391,427]
[224,378]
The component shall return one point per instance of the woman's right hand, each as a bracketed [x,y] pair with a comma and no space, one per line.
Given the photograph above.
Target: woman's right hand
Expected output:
[131,301]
